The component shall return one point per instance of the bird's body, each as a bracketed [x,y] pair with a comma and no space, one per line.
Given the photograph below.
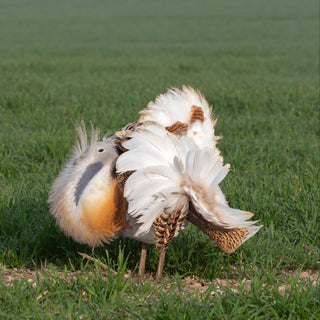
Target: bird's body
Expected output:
[148,180]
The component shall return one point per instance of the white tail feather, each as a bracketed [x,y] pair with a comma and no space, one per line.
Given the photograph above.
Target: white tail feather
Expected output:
[170,173]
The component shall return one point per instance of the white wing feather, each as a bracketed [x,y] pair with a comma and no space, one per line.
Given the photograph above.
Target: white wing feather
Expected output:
[176,105]
[170,180]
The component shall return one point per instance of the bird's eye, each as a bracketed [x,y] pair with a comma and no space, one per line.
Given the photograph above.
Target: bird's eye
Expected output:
[101,150]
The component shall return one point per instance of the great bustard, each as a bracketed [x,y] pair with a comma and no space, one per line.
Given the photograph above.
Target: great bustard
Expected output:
[149,179]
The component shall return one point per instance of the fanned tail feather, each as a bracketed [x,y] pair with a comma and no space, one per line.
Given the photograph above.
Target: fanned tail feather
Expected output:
[171,172]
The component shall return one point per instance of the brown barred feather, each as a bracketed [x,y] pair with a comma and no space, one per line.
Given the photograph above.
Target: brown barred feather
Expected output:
[228,240]
[124,135]
[165,227]
[118,143]
[130,126]
[122,178]
[177,127]
[182,219]
[196,114]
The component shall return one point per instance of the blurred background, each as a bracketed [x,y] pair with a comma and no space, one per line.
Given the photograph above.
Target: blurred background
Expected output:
[256,62]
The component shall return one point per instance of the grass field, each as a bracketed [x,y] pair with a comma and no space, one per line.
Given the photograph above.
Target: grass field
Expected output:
[103,61]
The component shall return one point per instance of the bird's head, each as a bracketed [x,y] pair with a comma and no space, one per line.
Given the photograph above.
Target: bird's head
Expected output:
[85,190]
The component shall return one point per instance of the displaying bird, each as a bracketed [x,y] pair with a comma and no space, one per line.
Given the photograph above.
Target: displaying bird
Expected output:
[149,179]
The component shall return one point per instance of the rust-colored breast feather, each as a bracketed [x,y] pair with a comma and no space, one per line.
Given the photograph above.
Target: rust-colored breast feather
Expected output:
[106,215]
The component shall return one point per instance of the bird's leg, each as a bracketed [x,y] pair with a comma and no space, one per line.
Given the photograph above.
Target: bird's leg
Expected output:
[142,264]
[162,256]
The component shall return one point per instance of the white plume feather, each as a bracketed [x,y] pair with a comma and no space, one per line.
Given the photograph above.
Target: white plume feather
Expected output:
[176,106]
[171,172]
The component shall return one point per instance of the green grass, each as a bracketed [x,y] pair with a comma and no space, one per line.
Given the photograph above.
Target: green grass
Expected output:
[257,64]
[91,294]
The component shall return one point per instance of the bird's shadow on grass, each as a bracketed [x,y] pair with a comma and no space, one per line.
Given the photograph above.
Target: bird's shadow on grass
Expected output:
[30,237]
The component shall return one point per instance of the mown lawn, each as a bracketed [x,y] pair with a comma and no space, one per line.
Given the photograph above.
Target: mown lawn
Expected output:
[102,61]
